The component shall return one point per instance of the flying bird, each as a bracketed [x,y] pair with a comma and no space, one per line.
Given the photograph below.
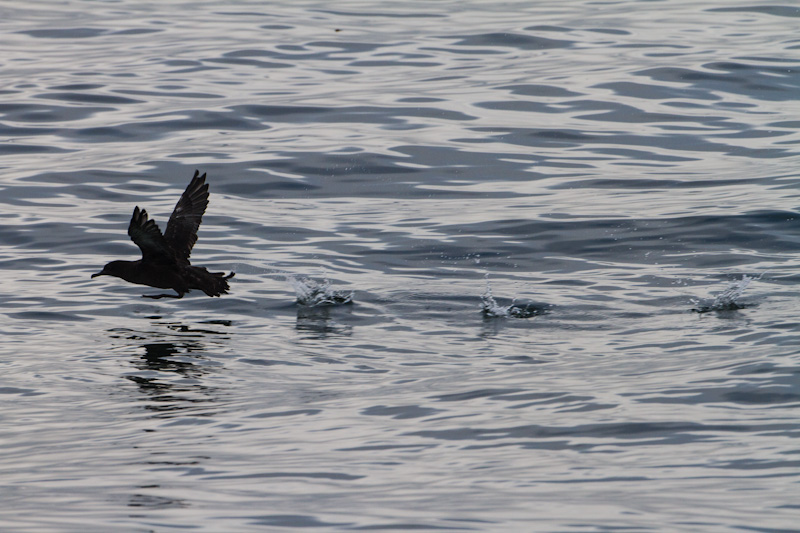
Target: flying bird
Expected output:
[165,257]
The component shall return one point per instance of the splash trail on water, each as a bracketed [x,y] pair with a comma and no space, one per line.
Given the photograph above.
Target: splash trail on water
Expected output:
[313,294]
[491,309]
[727,299]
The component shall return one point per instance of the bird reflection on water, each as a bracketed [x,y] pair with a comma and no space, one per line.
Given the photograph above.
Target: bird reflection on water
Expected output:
[316,323]
[170,367]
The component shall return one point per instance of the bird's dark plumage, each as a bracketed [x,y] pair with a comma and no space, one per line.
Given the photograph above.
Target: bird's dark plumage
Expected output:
[165,257]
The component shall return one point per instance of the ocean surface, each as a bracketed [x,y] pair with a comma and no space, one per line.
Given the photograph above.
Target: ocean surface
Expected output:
[500,266]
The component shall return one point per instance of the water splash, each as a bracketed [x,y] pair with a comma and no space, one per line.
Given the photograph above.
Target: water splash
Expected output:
[313,294]
[727,299]
[491,309]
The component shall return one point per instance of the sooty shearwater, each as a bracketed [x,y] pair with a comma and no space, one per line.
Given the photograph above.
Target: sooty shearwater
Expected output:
[165,258]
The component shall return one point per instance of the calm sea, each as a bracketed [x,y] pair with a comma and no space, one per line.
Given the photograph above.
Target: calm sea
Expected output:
[569,229]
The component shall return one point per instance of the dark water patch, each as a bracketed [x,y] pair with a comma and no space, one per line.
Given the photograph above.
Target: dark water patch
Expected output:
[102,134]
[182,63]
[755,134]
[248,62]
[545,91]
[608,31]
[650,45]
[11,131]
[623,433]
[538,137]
[472,395]
[242,14]
[656,92]
[137,31]
[48,316]
[65,33]
[614,112]
[348,46]
[381,447]
[296,412]
[522,107]
[270,362]
[510,40]
[419,100]
[641,155]
[333,476]
[393,63]
[77,87]
[16,148]
[12,238]
[763,59]
[268,188]
[760,82]
[768,370]
[789,124]
[296,521]
[411,526]
[155,502]
[751,393]
[46,235]
[20,392]
[376,14]
[300,53]
[572,138]
[355,114]
[401,412]
[173,94]
[292,55]
[755,464]
[778,11]
[192,69]
[88,98]
[219,156]
[524,359]
[545,27]
[626,113]
[761,396]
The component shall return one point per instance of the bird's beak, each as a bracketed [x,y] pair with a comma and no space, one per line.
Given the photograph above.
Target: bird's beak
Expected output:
[98,274]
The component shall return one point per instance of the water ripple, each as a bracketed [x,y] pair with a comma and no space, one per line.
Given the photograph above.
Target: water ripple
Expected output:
[609,170]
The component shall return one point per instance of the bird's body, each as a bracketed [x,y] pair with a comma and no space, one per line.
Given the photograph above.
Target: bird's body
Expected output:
[165,257]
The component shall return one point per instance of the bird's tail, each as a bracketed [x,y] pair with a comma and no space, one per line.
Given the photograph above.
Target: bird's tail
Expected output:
[211,283]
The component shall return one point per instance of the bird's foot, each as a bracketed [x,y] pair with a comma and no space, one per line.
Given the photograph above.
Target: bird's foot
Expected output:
[157,296]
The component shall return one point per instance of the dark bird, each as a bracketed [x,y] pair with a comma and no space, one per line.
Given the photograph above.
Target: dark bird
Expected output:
[165,258]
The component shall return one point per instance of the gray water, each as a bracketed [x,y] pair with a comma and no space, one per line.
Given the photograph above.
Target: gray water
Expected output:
[611,166]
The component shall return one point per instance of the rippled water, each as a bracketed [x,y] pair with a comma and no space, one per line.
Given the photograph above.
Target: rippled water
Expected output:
[608,164]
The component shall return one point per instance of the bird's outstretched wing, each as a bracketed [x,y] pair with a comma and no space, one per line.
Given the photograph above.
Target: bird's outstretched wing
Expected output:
[146,235]
[181,233]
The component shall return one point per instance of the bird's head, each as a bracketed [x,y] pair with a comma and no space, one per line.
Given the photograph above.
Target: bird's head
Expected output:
[114,268]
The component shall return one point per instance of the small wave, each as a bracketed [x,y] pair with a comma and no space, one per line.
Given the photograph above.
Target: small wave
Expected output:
[491,309]
[727,299]
[313,294]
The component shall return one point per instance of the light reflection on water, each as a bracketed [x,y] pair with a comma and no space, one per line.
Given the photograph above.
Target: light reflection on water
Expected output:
[607,164]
